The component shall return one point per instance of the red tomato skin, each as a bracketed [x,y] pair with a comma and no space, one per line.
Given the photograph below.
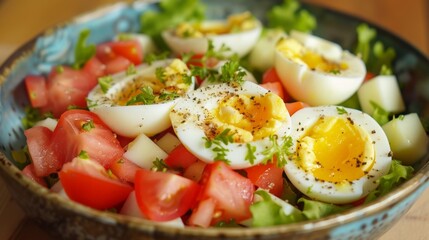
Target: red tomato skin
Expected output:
[180,158]
[275,87]
[369,76]
[232,192]
[104,52]
[36,90]
[267,176]
[95,67]
[116,65]
[68,87]
[271,76]
[130,49]
[45,159]
[84,185]
[164,196]
[124,169]
[30,173]
[70,139]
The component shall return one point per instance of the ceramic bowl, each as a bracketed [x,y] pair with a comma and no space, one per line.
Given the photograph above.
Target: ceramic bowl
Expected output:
[73,221]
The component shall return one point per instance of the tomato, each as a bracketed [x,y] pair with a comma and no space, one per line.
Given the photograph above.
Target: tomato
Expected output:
[68,87]
[231,192]
[87,182]
[30,172]
[271,76]
[275,87]
[116,65]
[267,176]
[197,60]
[45,159]
[180,158]
[163,196]
[202,215]
[95,67]
[295,106]
[70,137]
[124,169]
[36,90]
[130,49]
[369,76]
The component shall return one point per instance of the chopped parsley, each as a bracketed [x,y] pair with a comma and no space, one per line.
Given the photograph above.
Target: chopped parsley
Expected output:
[159,165]
[160,74]
[83,154]
[250,155]
[167,96]
[83,51]
[105,82]
[379,114]
[59,69]
[217,145]
[145,97]
[88,126]
[281,152]
[341,110]
[131,70]
[151,57]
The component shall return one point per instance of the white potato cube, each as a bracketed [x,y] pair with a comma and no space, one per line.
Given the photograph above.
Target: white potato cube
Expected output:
[384,91]
[168,142]
[143,151]
[407,138]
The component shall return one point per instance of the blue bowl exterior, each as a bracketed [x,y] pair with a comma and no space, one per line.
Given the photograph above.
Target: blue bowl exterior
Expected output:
[73,221]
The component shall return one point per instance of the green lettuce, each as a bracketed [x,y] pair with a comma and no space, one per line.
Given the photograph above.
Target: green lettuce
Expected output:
[313,210]
[289,16]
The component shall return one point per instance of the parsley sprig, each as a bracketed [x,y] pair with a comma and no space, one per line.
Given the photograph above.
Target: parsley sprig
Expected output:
[145,97]
[83,51]
[281,152]
[218,145]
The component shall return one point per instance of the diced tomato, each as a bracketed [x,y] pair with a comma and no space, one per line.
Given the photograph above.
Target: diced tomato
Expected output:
[124,141]
[271,76]
[369,76]
[197,60]
[130,49]
[45,159]
[195,171]
[36,90]
[231,192]
[70,137]
[267,176]
[116,65]
[87,182]
[275,87]
[30,172]
[203,214]
[68,87]
[95,67]
[163,196]
[124,169]
[180,158]
[295,106]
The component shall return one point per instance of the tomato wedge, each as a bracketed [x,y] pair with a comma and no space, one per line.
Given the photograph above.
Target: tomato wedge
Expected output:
[36,90]
[163,196]
[231,192]
[87,182]
[180,158]
[267,176]
[79,130]
[271,76]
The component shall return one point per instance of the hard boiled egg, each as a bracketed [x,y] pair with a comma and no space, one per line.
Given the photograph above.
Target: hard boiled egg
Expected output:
[338,154]
[253,117]
[140,101]
[316,71]
[239,33]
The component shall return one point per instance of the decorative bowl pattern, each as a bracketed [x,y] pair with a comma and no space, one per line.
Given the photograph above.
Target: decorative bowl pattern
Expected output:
[73,221]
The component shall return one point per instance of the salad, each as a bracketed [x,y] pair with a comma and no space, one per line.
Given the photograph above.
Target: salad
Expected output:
[202,123]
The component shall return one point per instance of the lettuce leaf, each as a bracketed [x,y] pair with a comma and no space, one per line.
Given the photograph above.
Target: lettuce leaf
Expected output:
[83,51]
[315,210]
[398,173]
[289,16]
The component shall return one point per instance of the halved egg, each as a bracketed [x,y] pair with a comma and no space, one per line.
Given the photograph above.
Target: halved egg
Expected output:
[338,154]
[140,102]
[251,116]
[239,33]
[317,71]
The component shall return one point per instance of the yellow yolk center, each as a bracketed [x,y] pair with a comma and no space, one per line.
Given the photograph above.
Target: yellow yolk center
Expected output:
[248,117]
[295,51]
[336,150]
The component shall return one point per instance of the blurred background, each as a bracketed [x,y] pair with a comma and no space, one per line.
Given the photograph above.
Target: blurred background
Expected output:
[21,20]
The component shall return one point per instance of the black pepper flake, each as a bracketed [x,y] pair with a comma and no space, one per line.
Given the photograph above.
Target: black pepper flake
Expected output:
[373,131]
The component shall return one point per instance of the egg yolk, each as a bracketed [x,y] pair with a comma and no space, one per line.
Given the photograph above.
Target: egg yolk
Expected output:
[336,150]
[150,89]
[298,53]
[235,23]
[249,118]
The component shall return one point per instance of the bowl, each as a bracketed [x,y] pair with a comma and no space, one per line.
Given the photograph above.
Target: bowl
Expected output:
[68,220]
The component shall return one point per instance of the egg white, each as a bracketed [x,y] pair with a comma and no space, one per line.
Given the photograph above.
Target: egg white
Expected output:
[190,112]
[317,87]
[240,43]
[331,192]
[132,120]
